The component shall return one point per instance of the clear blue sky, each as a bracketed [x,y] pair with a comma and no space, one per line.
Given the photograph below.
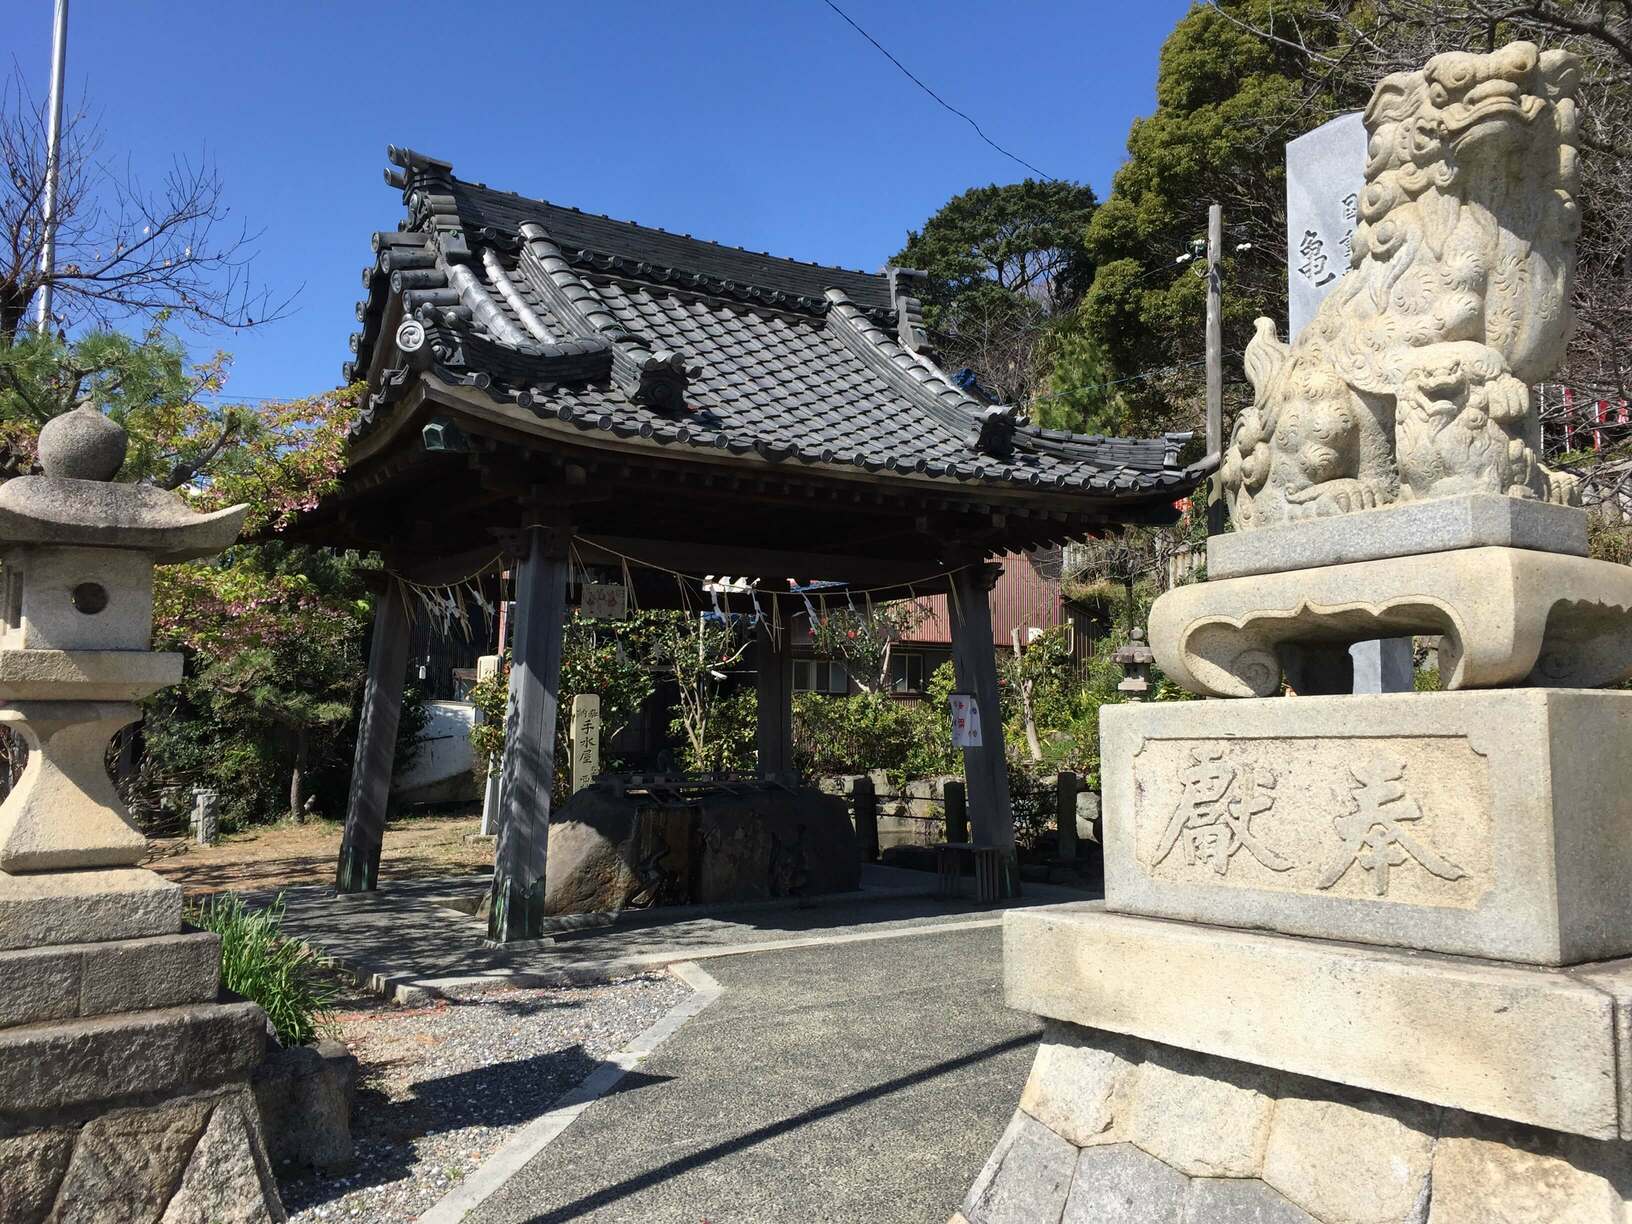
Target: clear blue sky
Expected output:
[768,124]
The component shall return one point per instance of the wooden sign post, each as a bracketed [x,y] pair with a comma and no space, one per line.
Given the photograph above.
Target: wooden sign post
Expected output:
[586,740]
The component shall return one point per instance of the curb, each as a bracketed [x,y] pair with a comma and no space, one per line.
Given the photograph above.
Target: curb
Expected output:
[542,1131]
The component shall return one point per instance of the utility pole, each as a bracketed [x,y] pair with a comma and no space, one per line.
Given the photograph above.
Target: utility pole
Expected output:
[1215,363]
[53,159]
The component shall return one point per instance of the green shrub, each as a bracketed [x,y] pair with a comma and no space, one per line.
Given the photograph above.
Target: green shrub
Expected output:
[258,961]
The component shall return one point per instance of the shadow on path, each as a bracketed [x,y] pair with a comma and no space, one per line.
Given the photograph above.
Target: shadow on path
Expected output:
[685,1164]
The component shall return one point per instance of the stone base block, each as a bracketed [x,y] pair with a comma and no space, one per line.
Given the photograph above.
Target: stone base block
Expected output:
[1545,1047]
[1118,1130]
[57,1067]
[97,979]
[193,1159]
[1470,823]
[1504,615]
[1443,524]
[70,907]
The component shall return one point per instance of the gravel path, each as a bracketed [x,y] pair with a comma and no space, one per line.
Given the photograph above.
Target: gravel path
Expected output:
[443,1087]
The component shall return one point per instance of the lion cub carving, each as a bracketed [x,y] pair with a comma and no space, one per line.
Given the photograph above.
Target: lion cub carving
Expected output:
[1412,380]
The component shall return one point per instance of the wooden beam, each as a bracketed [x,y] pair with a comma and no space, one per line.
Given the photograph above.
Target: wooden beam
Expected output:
[974,659]
[528,769]
[359,866]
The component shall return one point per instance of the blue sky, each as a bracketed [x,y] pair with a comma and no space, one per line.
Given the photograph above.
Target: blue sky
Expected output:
[769,124]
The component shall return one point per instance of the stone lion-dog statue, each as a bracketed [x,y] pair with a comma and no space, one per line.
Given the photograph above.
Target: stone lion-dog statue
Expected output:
[1412,380]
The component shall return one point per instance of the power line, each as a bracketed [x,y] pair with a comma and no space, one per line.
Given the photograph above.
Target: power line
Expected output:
[908,74]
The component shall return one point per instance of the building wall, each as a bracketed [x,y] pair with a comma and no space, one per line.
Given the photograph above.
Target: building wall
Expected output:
[1025,597]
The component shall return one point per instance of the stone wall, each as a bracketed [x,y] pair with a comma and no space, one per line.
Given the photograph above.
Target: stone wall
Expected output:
[911,814]
[914,813]
[193,1158]
[1117,1129]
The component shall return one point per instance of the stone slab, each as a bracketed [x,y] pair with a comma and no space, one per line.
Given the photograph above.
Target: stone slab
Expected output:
[1119,1184]
[1031,1181]
[1532,1045]
[60,1064]
[1325,174]
[1442,524]
[1504,616]
[86,675]
[72,907]
[56,983]
[1470,823]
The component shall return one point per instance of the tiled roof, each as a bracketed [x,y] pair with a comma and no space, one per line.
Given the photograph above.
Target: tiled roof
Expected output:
[610,326]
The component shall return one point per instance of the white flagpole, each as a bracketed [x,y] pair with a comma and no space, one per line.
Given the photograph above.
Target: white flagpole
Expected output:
[53,158]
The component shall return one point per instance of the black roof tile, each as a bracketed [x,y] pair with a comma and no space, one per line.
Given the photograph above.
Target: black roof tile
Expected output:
[621,327]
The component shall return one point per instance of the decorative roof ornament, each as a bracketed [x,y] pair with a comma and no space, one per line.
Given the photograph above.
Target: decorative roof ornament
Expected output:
[909,310]
[993,431]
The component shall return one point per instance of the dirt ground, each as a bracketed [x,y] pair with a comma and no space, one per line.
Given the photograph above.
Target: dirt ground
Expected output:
[274,856]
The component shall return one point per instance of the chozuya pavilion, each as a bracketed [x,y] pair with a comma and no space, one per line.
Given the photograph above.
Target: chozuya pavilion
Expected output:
[543,382]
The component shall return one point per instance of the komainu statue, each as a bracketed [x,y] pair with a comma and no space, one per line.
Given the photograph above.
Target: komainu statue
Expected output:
[1412,381]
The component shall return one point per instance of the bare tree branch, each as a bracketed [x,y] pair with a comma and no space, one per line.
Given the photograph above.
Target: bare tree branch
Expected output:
[121,249]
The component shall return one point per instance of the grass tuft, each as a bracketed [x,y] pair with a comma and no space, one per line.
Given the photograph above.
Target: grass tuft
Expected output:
[284,975]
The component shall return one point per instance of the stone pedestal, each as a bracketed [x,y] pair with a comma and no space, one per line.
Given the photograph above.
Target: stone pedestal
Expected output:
[124,1073]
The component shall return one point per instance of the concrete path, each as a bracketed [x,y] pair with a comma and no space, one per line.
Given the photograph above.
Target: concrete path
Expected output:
[405,939]
[862,1082]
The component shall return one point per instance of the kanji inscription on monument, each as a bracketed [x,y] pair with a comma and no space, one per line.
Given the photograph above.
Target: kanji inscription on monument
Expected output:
[1325,817]
[1214,817]
[586,740]
[1325,172]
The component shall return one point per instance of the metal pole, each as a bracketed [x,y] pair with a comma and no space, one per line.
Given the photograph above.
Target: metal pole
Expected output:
[1215,363]
[53,158]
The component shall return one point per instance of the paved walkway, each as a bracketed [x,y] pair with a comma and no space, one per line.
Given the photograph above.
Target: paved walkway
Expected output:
[862,1082]
[858,1065]
[405,938]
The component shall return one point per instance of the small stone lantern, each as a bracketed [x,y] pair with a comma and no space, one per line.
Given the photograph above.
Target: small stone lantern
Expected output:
[75,651]
[1135,659]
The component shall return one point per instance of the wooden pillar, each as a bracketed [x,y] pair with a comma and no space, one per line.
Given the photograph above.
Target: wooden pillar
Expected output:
[974,658]
[528,769]
[359,866]
[1065,816]
[864,799]
[774,736]
[957,812]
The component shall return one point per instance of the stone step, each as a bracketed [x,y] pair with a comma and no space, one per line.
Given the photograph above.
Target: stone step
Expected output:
[57,1065]
[97,979]
[1545,1047]
[39,909]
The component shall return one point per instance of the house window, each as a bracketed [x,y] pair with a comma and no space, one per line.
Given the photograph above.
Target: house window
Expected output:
[906,673]
[819,676]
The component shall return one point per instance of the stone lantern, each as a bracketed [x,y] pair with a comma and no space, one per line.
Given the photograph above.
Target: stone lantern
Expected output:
[1134,659]
[123,1078]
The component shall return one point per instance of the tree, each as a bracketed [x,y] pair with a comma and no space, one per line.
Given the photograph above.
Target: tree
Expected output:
[121,249]
[1002,262]
[861,638]
[1226,102]
[1344,48]
[610,659]
[697,651]
[272,633]
[1033,671]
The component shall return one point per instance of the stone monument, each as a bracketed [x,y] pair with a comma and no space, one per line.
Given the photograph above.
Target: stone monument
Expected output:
[1361,957]
[123,1071]
[1325,173]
